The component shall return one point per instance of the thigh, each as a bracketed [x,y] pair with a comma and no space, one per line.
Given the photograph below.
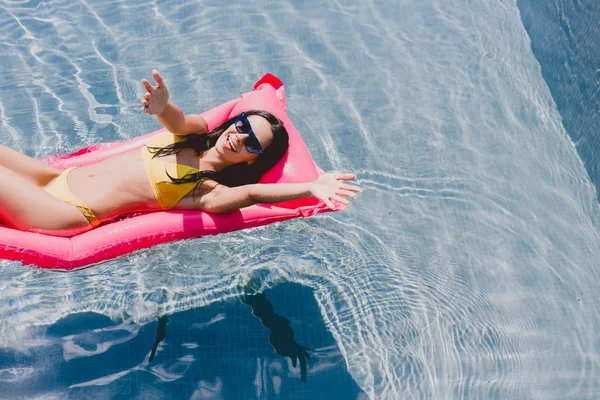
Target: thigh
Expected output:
[26,206]
[35,171]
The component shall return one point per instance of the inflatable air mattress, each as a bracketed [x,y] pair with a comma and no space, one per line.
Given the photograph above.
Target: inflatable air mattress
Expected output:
[129,233]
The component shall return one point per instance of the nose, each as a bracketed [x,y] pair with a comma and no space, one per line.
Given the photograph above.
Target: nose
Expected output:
[240,137]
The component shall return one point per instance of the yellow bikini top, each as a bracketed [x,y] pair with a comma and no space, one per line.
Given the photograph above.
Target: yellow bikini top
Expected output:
[166,192]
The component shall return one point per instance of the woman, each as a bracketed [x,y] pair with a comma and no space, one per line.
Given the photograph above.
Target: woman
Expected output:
[185,168]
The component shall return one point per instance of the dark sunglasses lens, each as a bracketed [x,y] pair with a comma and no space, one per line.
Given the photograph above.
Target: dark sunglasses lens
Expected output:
[252,145]
[243,125]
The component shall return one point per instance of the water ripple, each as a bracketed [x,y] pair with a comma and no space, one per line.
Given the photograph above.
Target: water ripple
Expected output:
[465,269]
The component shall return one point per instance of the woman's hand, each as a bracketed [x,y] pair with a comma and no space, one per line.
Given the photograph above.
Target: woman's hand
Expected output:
[156,97]
[331,187]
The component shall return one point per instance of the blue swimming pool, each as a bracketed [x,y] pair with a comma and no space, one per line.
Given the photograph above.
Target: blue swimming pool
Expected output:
[467,268]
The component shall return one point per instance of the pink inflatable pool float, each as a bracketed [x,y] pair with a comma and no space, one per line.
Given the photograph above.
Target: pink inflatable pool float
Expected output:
[142,230]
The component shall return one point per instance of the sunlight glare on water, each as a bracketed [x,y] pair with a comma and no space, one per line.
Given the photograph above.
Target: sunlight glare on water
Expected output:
[467,268]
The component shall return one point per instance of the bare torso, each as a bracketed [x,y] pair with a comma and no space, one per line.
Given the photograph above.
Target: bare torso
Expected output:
[119,185]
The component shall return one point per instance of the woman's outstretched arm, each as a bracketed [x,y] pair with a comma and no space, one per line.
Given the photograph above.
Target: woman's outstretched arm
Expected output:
[328,188]
[156,102]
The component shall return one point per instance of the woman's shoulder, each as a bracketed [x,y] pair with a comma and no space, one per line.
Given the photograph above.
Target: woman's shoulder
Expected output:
[163,138]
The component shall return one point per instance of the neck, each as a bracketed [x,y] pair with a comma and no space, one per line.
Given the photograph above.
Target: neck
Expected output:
[211,161]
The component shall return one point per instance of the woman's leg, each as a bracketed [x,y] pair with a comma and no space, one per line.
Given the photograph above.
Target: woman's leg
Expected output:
[26,206]
[35,171]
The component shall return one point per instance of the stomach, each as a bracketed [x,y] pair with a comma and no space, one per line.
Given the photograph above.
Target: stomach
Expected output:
[114,186]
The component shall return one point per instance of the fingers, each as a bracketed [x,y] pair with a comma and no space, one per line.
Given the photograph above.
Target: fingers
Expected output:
[146,100]
[158,79]
[340,199]
[343,176]
[346,193]
[352,188]
[155,96]
[147,85]
[336,191]
[329,203]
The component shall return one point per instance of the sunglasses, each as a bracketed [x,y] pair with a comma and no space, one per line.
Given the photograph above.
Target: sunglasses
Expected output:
[242,125]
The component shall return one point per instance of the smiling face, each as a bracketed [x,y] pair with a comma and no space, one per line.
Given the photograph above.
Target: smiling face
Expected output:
[230,145]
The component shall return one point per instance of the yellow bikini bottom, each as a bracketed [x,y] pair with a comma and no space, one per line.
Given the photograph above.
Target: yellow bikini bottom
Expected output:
[59,188]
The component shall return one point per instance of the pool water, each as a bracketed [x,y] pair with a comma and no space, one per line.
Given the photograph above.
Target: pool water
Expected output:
[467,267]
[219,351]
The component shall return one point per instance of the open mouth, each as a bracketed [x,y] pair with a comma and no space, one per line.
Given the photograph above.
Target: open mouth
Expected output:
[229,144]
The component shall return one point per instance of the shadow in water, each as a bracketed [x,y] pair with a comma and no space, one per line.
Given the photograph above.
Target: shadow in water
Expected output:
[161,332]
[225,350]
[282,334]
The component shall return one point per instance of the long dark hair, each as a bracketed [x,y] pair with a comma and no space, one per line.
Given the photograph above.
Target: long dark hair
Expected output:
[236,174]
